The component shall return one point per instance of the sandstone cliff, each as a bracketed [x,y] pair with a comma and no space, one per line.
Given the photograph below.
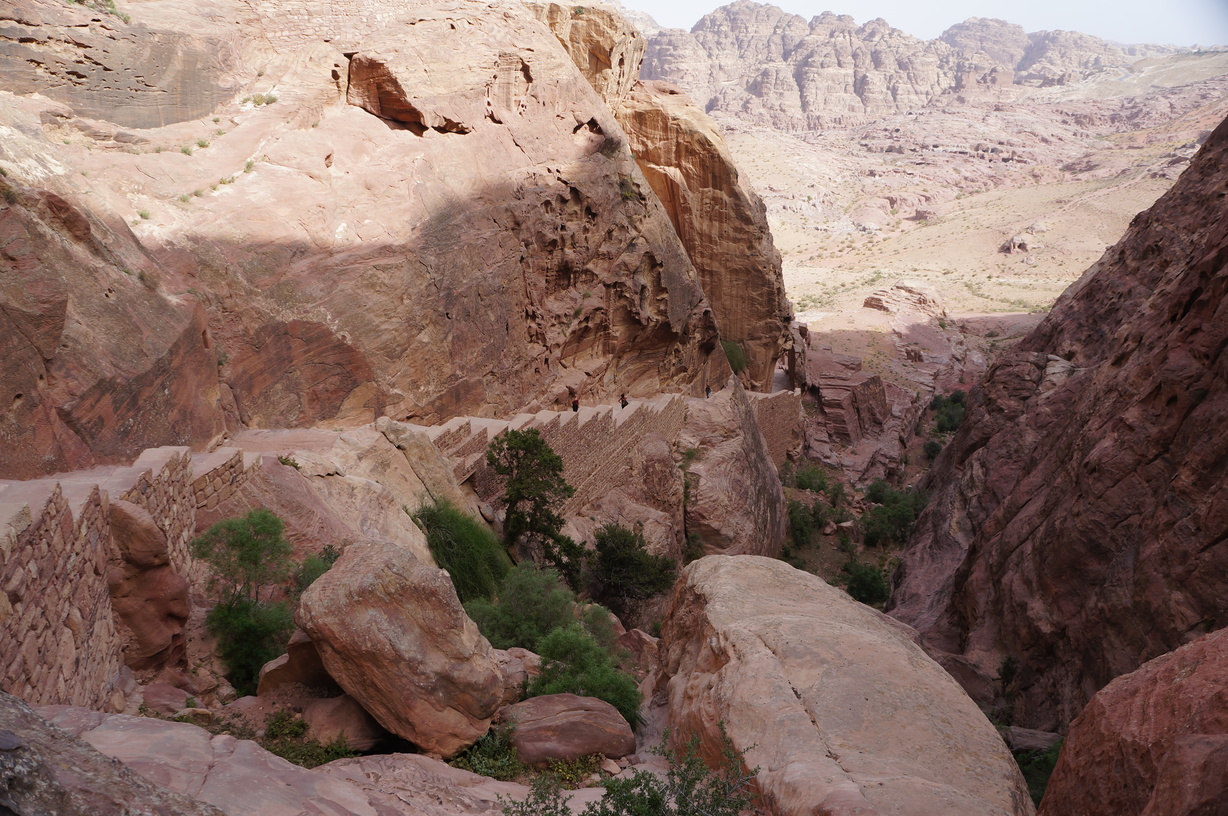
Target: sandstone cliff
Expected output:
[681,151]
[1076,525]
[761,64]
[418,210]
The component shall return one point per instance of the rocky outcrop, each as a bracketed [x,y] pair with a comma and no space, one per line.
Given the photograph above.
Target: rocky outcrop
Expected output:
[1076,519]
[146,593]
[601,43]
[733,501]
[564,727]
[392,633]
[761,64]
[282,210]
[1152,742]
[834,702]
[342,717]
[44,770]
[720,219]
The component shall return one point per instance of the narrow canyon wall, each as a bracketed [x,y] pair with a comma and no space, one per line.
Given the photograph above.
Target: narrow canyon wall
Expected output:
[1076,521]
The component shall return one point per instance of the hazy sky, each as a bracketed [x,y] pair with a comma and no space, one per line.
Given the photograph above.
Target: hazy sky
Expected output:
[1177,22]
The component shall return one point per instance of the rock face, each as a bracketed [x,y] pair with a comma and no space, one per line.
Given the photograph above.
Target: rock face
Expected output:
[1076,519]
[301,230]
[718,216]
[840,709]
[566,727]
[147,594]
[1153,742]
[44,770]
[601,43]
[759,63]
[392,633]
[734,502]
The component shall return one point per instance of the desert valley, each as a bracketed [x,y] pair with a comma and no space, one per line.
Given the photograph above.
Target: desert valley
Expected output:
[441,407]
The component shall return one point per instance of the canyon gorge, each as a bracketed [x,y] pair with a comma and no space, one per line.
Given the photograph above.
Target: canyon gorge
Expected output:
[794,305]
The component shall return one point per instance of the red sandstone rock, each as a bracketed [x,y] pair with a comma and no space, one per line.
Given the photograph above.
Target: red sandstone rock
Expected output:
[1075,518]
[342,717]
[735,501]
[147,594]
[163,698]
[392,633]
[300,664]
[835,703]
[566,727]
[1154,741]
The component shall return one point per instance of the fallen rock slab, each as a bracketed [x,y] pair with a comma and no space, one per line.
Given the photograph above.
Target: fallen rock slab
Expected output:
[834,702]
[392,633]
[567,726]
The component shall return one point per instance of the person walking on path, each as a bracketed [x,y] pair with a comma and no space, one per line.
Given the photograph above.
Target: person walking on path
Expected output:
[623,400]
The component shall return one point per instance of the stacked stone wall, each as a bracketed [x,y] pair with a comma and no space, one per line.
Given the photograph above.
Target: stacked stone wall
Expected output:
[344,23]
[59,640]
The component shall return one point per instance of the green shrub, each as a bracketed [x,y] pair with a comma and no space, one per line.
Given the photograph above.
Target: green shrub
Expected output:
[1037,767]
[466,548]
[932,448]
[800,523]
[313,567]
[949,411]
[811,477]
[531,602]
[835,494]
[572,773]
[249,634]
[866,583]
[689,788]
[287,737]
[891,521]
[574,663]
[736,355]
[624,572]
[492,755]
[247,555]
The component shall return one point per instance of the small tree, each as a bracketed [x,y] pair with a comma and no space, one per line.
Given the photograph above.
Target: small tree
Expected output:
[624,572]
[248,555]
[533,489]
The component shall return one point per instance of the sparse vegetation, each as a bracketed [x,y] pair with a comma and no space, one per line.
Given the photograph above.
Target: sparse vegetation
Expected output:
[530,603]
[286,736]
[624,572]
[261,99]
[866,583]
[736,355]
[948,410]
[464,547]
[931,449]
[144,214]
[890,522]
[573,662]
[1037,767]
[492,755]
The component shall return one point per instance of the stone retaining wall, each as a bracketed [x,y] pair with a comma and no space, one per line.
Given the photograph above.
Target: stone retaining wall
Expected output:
[59,643]
[779,416]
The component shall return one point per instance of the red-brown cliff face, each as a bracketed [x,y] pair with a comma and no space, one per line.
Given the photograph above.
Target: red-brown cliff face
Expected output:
[418,210]
[1078,524]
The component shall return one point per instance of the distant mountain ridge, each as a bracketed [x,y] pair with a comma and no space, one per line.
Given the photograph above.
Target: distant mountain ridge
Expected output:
[767,66]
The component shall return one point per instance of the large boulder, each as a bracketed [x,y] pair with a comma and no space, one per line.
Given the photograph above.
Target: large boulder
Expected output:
[1152,742]
[392,633]
[566,726]
[734,501]
[835,703]
[342,718]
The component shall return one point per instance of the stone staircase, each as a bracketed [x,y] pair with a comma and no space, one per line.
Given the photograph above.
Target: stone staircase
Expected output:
[464,440]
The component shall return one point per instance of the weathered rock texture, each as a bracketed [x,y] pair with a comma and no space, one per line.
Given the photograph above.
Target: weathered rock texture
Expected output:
[838,706]
[433,215]
[44,770]
[760,63]
[1077,518]
[734,502]
[565,727]
[601,43]
[1153,742]
[718,216]
[392,633]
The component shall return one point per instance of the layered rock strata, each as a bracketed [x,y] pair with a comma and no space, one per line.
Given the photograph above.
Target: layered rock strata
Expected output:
[1076,521]
[832,701]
